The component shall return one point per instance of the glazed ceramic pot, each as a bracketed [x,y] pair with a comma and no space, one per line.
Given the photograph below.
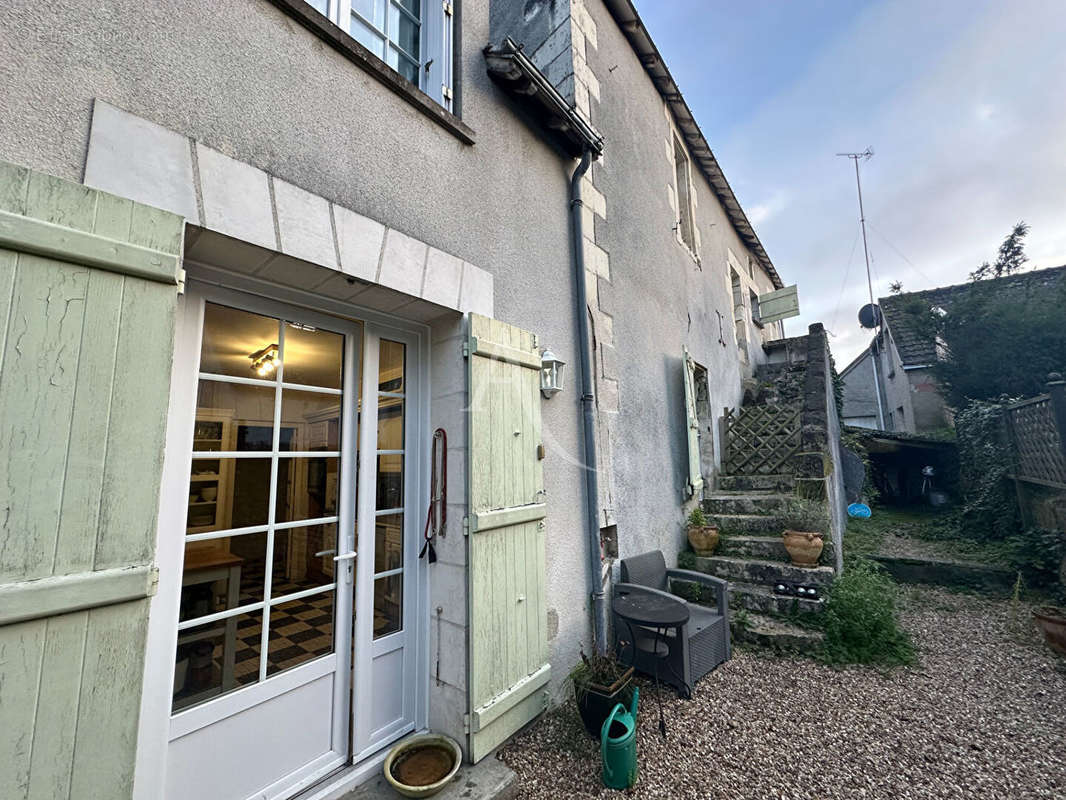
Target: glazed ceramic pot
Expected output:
[1052,622]
[704,539]
[804,547]
[422,765]
[595,702]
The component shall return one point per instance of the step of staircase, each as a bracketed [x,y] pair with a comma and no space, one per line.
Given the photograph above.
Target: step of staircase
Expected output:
[743,483]
[768,547]
[746,502]
[748,524]
[780,635]
[766,573]
[762,600]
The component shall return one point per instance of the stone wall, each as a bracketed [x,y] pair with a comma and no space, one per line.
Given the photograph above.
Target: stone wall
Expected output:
[819,471]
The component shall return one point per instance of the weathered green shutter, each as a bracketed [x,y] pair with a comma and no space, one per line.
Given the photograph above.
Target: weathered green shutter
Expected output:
[88,290]
[508,637]
[782,304]
[695,475]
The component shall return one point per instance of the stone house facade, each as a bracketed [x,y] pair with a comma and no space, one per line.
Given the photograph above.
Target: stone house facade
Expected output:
[253,257]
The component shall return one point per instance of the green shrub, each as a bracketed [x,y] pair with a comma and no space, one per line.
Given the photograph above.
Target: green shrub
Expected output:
[697,519]
[739,622]
[989,511]
[1037,554]
[806,515]
[861,625]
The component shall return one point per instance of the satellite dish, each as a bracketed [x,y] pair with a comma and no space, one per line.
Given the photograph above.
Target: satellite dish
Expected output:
[870,315]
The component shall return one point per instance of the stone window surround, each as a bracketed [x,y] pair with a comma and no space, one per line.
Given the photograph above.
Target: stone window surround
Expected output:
[685,222]
[209,189]
[674,141]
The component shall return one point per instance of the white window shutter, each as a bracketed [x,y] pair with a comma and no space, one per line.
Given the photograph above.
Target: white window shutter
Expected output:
[695,476]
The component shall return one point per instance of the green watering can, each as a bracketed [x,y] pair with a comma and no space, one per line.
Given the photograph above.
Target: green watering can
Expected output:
[618,746]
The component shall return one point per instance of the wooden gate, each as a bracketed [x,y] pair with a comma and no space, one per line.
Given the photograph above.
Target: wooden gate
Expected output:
[508,637]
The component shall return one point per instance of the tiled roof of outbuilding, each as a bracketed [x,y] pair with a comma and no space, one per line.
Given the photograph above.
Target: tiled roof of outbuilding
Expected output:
[914,348]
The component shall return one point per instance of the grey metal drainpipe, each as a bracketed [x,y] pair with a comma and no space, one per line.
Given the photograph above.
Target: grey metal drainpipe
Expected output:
[588,421]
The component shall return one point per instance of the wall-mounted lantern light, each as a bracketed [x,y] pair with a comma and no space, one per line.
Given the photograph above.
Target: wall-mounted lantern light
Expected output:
[551,374]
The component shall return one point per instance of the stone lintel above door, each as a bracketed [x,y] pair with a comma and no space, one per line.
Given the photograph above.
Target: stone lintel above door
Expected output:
[272,228]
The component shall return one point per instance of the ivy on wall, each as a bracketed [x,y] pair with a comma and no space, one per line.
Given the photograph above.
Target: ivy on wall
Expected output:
[989,510]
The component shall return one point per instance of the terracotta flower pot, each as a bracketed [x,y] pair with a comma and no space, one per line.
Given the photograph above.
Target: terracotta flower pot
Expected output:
[1052,622]
[704,539]
[804,547]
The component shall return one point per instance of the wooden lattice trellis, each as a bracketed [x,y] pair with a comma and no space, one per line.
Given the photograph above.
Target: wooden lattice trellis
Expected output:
[761,440]
[1037,444]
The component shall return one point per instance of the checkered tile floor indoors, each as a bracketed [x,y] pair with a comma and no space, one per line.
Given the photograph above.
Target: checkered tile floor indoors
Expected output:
[300,630]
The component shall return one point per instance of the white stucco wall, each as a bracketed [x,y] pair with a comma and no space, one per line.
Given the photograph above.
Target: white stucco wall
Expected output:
[268,104]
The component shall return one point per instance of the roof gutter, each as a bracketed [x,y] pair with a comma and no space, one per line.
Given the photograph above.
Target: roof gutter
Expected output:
[625,14]
[513,71]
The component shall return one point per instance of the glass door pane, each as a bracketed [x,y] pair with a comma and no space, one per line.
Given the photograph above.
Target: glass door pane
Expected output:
[258,587]
[388,534]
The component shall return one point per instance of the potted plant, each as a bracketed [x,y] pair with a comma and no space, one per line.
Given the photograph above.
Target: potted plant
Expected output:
[1052,621]
[600,683]
[702,536]
[803,536]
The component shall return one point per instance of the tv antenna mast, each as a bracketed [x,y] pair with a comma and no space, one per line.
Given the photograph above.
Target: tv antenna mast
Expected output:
[866,155]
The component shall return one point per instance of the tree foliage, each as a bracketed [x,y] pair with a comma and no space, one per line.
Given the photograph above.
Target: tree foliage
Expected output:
[989,512]
[1010,259]
[996,339]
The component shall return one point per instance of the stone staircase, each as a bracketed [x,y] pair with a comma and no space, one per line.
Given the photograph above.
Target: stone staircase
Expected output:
[749,511]
[749,505]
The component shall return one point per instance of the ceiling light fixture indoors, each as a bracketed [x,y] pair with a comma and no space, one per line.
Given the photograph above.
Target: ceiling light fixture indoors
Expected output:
[265,361]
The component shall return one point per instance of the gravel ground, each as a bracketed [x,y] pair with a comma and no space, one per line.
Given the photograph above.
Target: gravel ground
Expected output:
[983,715]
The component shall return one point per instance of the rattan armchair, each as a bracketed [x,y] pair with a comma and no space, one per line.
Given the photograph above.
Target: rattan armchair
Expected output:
[702,644]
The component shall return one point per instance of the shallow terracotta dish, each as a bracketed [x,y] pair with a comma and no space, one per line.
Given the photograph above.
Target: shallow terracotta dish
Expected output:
[422,765]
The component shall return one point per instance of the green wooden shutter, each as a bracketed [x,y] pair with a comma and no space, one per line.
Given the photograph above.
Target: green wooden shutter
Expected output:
[88,291]
[695,475]
[782,304]
[508,637]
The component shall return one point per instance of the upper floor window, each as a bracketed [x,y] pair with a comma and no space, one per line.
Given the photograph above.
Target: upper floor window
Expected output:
[414,37]
[753,301]
[684,196]
[739,322]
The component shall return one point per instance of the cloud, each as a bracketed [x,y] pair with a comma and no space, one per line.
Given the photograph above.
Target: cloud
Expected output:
[962,104]
[762,212]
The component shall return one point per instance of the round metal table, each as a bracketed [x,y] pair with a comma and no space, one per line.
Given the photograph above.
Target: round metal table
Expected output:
[659,613]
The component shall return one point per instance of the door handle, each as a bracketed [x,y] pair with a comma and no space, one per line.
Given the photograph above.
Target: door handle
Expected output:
[321,553]
[345,557]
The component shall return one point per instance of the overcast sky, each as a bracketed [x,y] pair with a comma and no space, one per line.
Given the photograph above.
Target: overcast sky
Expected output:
[963,102]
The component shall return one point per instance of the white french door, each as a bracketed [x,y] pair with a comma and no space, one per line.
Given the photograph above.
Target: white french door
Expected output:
[386,640]
[294,651]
